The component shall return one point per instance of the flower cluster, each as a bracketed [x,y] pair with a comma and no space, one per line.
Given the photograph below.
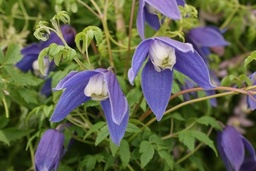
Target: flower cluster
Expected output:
[30,54]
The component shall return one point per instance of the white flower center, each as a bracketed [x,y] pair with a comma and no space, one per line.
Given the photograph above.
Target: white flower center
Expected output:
[35,67]
[162,56]
[151,9]
[96,88]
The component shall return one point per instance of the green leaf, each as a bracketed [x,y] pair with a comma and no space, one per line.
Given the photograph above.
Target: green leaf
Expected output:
[125,153]
[1,57]
[147,152]
[187,139]
[103,134]
[95,128]
[13,54]
[11,134]
[208,120]
[167,158]
[113,148]
[205,139]
[132,128]
[250,58]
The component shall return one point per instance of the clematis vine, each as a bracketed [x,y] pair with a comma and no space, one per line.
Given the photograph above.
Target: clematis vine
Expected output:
[30,54]
[49,150]
[251,100]
[148,10]
[231,145]
[164,55]
[205,39]
[99,85]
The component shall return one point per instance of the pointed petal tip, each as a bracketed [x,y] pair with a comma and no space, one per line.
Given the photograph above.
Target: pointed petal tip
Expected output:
[131,76]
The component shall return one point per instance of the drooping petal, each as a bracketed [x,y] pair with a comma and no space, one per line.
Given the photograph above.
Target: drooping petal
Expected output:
[249,147]
[116,131]
[140,22]
[47,87]
[49,150]
[248,165]
[139,57]
[156,87]
[25,64]
[32,49]
[213,101]
[181,2]
[60,85]
[168,8]
[152,19]
[222,153]
[183,47]
[233,147]
[73,95]
[193,66]
[118,102]
[207,37]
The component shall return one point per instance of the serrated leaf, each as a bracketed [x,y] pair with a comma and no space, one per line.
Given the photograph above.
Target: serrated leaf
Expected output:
[103,134]
[147,152]
[187,139]
[125,153]
[208,120]
[167,158]
[205,139]
[13,54]
[11,134]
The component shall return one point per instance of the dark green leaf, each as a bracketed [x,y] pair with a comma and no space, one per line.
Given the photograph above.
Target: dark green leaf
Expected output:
[188,139]
[208,120]
[103,134]
[125,153]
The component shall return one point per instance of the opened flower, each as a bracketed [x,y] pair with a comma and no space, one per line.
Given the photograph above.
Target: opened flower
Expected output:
[29,62]
[99,85]
[49,150]
[148,10]
[164,55]
[231,146]
[205,39]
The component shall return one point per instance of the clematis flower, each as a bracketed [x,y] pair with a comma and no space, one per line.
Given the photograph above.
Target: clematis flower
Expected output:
[30,54]
[164,55]
[251,100]
[148,10]
[231,146]
[99,85]
[205,39]
[49,151]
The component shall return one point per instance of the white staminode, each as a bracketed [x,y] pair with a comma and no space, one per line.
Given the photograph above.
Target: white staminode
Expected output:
[96,88]
[162,56]
[35,67]
[151,9]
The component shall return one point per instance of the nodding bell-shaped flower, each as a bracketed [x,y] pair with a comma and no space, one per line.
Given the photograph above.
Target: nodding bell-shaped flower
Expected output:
[30,55]
[100,85]
[205,39]
[251,100]
[49,151]
[164,55]
[149,9]
[231,146]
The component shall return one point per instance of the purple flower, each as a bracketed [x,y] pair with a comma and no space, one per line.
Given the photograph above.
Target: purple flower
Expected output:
[165,55]
[99,85]
[251,100]
[49,150]
[148,10]
[30,54]
[204,38]
[231,146]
